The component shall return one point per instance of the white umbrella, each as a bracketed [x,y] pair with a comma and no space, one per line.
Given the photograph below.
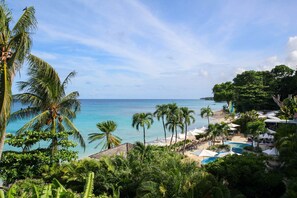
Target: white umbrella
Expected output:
[205,153]
[232,129]
[233,125]
[225,153]
[271,131]
[261,136]
[266,136]
[197,132]
[272,151]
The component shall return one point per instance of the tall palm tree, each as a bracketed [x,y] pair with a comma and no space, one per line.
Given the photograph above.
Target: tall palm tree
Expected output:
[160,113]
[206,112]
[223,130]
[213,131]
[144,120]
[44,92]
[107,128]
[188,118]
[173,119]
[15,45]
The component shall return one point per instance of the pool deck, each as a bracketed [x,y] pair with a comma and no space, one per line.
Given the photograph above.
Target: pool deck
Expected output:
[236,138]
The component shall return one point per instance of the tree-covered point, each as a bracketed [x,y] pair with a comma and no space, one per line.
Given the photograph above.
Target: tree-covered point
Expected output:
[254,89]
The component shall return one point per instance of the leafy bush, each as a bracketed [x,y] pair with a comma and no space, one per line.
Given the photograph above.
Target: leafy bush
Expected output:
[249,175]
[220,148]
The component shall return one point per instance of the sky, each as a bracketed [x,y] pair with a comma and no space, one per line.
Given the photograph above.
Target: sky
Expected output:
[152,49]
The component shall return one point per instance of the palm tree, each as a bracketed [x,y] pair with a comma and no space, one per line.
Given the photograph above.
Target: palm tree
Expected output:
[206,112]
[188,118]
[160,113]
[15,45]
[213,131]
[44,92]
[144,120]
[223,130]
[107,128]
[173,119]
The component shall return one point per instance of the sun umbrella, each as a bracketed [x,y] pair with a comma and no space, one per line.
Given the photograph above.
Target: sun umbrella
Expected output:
[271,131]
[272,151]
[225,153]
[205,153]
[233,125]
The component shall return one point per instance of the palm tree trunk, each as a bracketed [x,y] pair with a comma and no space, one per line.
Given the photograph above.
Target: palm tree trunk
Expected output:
[164,129]
[5,103]
[208,120]
[175,135]
[186,127]
[171,137]
[54,140]
[143,136]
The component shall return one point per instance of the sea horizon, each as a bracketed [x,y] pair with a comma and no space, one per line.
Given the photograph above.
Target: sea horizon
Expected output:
[121,111]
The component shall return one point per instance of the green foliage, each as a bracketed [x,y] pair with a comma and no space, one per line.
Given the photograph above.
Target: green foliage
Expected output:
[37,188]
[219,148]
[31,163]
[144,120]
[253,89]
[288,109]
[245,118]
[255,128]
[248,174]
[107,128]
[206,112]
[223,92]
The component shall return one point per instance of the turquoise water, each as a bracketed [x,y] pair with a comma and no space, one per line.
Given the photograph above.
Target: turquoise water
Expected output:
[208,160]
[121,111]
[237,147]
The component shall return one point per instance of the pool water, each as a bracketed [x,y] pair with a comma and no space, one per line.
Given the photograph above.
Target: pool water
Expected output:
[236,147]
[208,160]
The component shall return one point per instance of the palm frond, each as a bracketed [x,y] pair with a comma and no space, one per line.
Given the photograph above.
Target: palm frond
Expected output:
[27,22]
[76,133]
[24,113]
[68,79]
[37,119]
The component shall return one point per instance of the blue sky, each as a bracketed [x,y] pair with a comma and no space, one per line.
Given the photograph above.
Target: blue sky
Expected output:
[160,49]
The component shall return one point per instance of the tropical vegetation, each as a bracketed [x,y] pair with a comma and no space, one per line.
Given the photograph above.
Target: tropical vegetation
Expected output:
[206,112]
[15,45]
[144,120]
[107,128]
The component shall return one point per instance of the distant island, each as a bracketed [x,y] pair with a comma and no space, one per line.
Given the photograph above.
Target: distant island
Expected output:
[207,98]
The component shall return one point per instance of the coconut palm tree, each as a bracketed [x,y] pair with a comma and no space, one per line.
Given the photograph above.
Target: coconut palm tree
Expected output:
[206,112]
[173,119]
[107,128]
[160,113]
[188,118]
[213,131]
[15,45]
[144,120]
[53,109]
[223,130]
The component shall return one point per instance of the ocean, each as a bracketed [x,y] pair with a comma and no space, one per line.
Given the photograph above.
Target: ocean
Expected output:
[121,111]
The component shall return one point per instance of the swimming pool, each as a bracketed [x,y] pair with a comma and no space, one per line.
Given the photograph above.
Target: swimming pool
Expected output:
[237,147]
[208,160]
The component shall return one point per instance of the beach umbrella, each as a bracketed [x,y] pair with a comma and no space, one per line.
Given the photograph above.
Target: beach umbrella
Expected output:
[225,153]
[232,129]
[233,125]
[266,136]
[271,131]
[272,151]
[261,136]
[205,153]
